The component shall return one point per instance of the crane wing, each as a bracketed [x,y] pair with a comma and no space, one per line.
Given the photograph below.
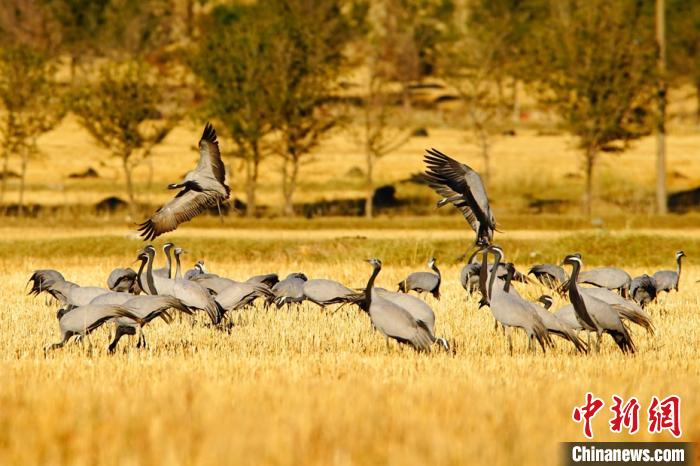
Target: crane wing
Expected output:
[463,206]
[209,155]
[460,178]
[182,208]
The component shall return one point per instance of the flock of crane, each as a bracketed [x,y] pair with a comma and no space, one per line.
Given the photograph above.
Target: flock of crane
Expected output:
[133,299]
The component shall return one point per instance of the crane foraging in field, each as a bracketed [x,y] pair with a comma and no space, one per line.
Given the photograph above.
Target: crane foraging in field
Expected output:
[423,282]
[458,184]
[549,275]
[667,280]
[326,292]
[123,280]
[146,308]
[611,278]
[202,188]
[643,290]
[290,290]
[83,320]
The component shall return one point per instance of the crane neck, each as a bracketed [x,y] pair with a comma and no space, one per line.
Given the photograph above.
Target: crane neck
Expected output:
[494,268]
[437,271]
[483,275]
[139,275]
[509,278]
[576,298]
[149,276]
[678,270]
[178,270]
[168,261]
[370,285]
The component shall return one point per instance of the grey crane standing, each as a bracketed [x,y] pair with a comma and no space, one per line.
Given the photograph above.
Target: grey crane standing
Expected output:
[595,315]
[423,282]
[510,310]
[393,321]
[458,184]
[667,280]
[203,188]
[643,290]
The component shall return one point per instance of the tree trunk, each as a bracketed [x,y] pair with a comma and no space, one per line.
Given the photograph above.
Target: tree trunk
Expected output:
[588,198]
[129,185]
[516,103]
[406,96]
[22,180]
[289,183]
[486,155]
[369,199]
[697,103]
[661,203]
[252,162]
[5,174]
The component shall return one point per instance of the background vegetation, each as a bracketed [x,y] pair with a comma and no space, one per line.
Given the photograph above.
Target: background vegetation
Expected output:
[321,102]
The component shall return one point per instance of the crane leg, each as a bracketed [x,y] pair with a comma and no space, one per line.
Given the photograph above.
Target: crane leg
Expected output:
[510,340]
[58,345]
[218,207]
[117,336]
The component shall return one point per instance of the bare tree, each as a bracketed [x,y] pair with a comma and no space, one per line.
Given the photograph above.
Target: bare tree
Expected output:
[235,62]
[380,131]
[310,58]
[31,107]
[661,202]
[124,110]
[597,68]
[683,20]
[476,59]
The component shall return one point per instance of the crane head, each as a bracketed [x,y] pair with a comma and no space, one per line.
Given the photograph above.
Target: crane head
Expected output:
[376,263]
[572,259]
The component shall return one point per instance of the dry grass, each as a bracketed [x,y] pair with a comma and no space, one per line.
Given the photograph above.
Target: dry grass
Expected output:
[306,386]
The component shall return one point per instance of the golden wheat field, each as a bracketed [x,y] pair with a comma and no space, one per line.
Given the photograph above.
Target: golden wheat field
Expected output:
[319,387]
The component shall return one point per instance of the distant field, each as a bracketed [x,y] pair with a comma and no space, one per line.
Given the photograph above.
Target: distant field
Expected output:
[307,386]
[525,167]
